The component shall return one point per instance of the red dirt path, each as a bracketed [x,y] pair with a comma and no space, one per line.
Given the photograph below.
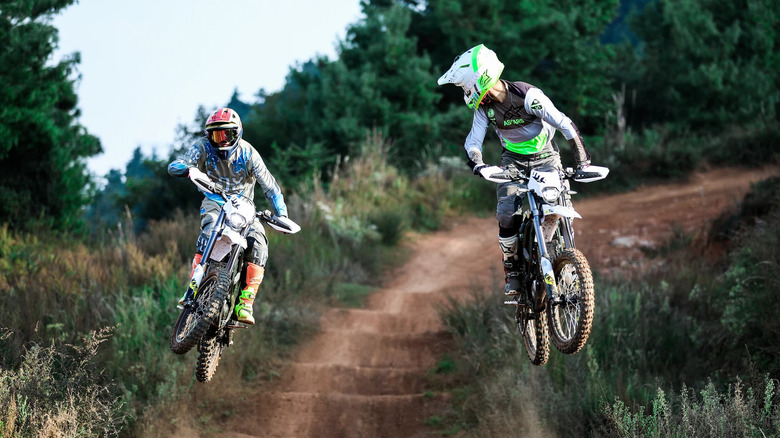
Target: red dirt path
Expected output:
[364,374]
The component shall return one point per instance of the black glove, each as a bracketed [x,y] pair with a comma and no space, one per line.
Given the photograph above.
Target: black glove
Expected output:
[476,167]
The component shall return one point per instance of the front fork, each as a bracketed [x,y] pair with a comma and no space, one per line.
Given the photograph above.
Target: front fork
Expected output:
[200,270]
[544,257]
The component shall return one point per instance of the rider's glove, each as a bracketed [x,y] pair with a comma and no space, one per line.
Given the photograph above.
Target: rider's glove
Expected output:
[476,167]
[583,164]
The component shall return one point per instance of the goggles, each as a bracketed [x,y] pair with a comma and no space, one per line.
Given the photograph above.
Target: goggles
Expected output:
[220,135]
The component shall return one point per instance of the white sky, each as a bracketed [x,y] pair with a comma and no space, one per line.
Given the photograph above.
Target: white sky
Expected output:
[147,65]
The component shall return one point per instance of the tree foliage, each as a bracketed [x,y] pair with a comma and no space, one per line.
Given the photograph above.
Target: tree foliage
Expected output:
[551,44]
[42,169]
[379,82]
[703,64]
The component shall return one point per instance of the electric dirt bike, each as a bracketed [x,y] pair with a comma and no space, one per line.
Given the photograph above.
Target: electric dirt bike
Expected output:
[556,300]
[207,318]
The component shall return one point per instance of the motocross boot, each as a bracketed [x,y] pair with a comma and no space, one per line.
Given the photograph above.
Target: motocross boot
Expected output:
[508,247]
[254,276]
[195,262]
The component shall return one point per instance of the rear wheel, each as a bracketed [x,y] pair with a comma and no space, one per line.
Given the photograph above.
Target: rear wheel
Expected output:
[208,359]
[533,327]
[531,318]
[570,315]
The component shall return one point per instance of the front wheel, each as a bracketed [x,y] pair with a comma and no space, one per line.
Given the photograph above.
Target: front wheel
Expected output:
[197,317]
[570,314]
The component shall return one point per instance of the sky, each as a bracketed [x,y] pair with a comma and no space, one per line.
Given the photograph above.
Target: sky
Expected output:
[147,65]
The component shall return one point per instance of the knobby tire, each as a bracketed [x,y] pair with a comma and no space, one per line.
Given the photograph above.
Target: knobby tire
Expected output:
[193,323]
[210,352]
[570,322]
[535,336]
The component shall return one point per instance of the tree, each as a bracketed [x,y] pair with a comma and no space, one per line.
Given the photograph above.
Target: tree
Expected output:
[379,82]
[42,168]
[703,63]
[551,44]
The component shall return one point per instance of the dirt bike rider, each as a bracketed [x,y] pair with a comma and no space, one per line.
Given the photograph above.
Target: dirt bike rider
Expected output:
[525,121]
[236,166]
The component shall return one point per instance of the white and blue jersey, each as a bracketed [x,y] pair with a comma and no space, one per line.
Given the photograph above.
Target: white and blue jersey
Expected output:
[235,176]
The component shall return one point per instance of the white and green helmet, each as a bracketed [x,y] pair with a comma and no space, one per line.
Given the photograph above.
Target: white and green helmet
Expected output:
[475,71]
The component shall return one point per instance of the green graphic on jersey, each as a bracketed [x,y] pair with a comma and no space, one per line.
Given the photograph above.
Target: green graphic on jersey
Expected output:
[514,122]
[531,146]
[535,105]
[491,115]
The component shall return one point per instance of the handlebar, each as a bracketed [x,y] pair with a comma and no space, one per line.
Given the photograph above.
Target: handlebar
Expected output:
[283,224]
[511,173]
[278,223]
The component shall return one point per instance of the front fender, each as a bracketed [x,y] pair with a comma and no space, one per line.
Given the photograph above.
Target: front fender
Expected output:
[561,210]
[225,243]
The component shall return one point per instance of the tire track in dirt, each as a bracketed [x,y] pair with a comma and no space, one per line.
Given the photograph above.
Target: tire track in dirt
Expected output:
[364,374]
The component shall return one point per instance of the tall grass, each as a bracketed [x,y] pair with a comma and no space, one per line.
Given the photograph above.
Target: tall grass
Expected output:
[690,348]
[59,390]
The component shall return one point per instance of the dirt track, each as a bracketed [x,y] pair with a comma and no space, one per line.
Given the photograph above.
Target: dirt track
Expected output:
[364,374]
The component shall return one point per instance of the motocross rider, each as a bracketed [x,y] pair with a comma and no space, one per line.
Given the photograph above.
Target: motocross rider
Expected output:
[525,121]
[235,166]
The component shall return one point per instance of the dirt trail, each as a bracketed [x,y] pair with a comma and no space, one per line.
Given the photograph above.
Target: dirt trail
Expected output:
[364,374]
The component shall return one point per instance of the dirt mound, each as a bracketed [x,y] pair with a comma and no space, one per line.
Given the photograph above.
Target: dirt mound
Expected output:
[364,374]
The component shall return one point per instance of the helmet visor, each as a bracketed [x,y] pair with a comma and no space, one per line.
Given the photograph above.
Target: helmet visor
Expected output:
[218,136]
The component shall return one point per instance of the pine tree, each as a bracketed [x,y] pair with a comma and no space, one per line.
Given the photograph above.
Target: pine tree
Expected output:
[42,170]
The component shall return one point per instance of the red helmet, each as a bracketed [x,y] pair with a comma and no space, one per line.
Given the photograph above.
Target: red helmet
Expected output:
[224,130]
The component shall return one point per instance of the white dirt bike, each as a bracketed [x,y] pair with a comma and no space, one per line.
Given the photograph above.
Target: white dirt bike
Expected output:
[207,318]
[556,299]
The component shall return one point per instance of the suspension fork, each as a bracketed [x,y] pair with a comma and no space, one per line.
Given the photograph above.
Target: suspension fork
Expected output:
[544,256]
[200,269]
[568,232]
[568,229]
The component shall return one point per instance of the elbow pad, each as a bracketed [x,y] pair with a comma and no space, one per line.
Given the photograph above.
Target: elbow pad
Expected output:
[277,201]
[178,168]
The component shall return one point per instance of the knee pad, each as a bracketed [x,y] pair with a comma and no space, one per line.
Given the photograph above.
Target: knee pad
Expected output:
[256,250]
[200,245]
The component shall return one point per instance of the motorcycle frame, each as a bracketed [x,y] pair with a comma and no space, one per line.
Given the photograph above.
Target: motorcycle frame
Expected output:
[535,219]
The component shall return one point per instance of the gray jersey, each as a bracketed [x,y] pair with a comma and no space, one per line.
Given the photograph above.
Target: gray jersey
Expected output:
[525,123]
[236,175]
